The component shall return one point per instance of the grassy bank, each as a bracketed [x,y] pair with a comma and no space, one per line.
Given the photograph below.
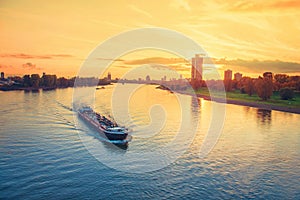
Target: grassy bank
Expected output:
[235,97]
[274,100]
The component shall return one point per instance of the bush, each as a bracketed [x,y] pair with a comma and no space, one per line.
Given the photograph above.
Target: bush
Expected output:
[243,91]
[286,93]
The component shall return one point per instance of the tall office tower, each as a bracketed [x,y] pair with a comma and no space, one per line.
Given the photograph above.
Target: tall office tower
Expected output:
[228,74]
[197,68]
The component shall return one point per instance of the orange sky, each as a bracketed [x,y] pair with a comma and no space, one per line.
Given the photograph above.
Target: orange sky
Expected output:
[56,36]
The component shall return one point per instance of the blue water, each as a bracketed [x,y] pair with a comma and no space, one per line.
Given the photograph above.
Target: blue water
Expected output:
[43,157]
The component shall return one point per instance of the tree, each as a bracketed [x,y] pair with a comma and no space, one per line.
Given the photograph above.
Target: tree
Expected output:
[228,85]
[264,88]
[249,86]
[62,82]
[49,80]
[215,84]
[296,81]
[281,78]
[286,93]
[235,84]
[196,84]
[35,80]
[280,81]
[26,81]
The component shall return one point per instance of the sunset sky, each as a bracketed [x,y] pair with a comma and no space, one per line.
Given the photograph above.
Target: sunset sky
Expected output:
[57,36]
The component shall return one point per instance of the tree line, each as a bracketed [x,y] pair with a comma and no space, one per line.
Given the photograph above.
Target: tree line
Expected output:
[263,86]
[47,81]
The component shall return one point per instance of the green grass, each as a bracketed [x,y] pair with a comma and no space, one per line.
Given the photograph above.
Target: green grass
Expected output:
[236,95]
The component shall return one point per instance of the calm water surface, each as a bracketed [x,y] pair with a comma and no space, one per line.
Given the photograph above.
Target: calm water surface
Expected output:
[42,154]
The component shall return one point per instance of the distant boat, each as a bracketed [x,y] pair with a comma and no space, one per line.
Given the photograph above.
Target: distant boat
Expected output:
[106,127]
[100,88]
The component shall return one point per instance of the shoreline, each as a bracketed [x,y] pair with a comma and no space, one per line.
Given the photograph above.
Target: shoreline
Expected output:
[239,102]
[35,89]
[246,103]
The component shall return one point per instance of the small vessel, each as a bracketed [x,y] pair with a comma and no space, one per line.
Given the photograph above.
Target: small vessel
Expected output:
[106,127]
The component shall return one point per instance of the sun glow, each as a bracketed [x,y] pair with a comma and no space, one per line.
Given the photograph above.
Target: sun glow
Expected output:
[58,36]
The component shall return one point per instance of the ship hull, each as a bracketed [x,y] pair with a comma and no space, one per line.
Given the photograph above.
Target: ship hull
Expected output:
[103,133]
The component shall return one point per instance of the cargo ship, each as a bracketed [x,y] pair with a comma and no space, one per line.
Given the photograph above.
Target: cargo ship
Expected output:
[107,128]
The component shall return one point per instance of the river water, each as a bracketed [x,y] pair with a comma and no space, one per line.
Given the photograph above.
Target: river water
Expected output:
[46,152]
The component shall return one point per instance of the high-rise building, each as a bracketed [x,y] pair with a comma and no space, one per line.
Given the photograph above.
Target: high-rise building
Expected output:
[238,76]
[228,74]
[109,76]
[2,75]
[197,68]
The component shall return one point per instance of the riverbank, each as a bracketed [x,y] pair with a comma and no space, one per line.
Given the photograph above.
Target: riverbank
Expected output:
[36,89]
[235,98]
[29,89]
[258,104]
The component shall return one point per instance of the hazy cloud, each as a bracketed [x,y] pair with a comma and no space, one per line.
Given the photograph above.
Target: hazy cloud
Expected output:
[180,4]
[111,59]
[5,66]
[157,60]
[123,66]
[180,67]
[140,11]
[175,67]
[25,56]
[249,66]
[158,66]
[61,55]
[275,66]
[30,66]
[31,56]
[286,4]
[260,5]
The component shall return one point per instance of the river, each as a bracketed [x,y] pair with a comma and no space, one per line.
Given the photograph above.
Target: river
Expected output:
[47,153]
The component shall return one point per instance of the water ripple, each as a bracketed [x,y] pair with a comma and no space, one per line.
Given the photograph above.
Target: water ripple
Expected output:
[42,155]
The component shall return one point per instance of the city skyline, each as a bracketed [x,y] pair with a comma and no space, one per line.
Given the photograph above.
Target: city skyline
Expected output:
[183,69]
[229,75]
[58,40]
